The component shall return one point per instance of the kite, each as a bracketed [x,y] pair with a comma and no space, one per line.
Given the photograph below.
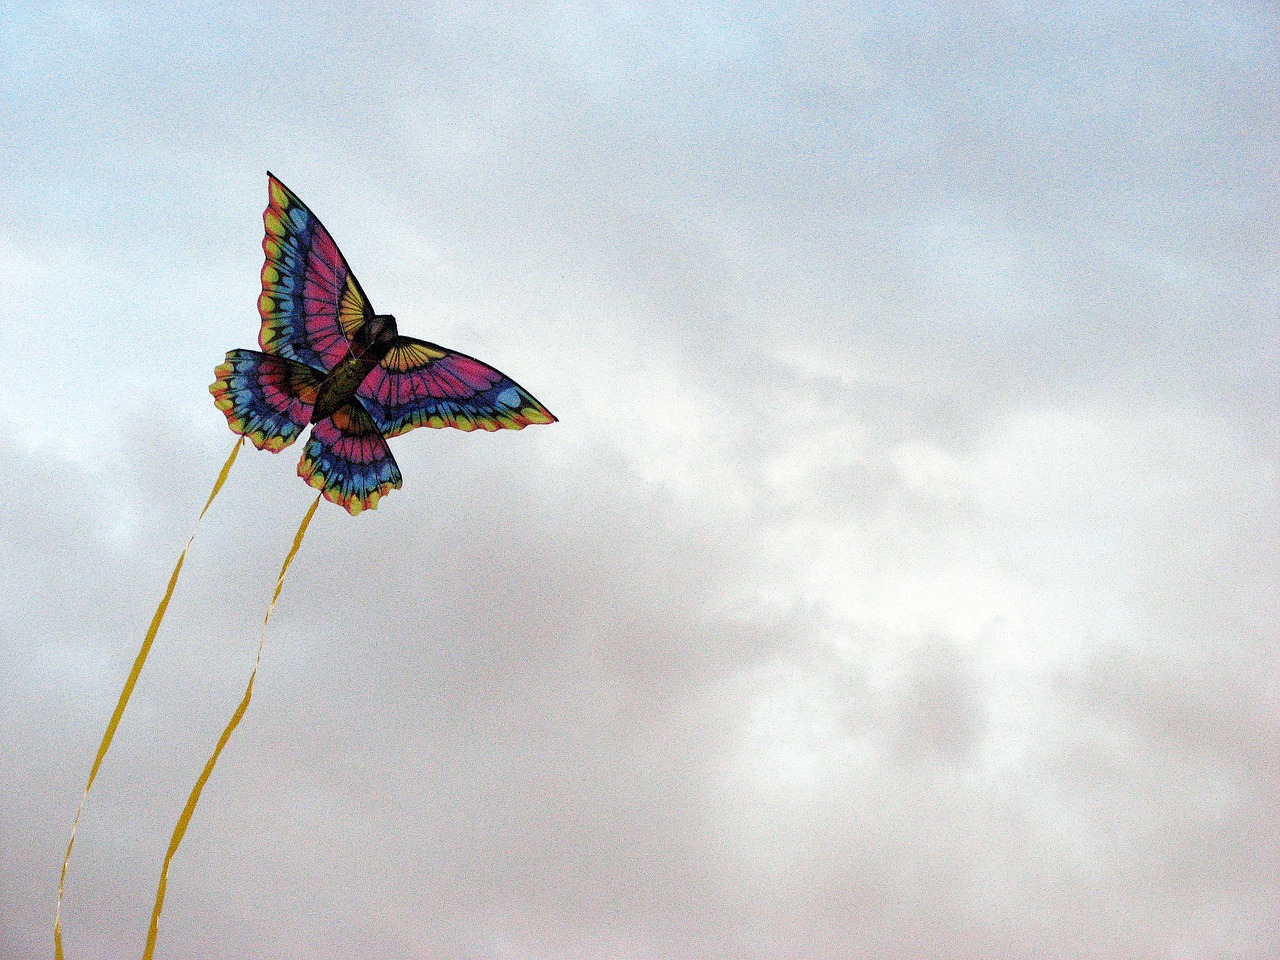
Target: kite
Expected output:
[328,361]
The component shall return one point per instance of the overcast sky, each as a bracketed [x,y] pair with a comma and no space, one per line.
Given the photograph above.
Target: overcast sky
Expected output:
[902,579]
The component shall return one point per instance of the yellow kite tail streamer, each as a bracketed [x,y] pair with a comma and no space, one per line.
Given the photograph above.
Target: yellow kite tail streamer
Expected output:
[184,819]
[127,692]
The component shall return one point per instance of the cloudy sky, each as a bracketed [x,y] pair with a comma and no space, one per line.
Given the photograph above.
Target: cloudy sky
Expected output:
[901,581]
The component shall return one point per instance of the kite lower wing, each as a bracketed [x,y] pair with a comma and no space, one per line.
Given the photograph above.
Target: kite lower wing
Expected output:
[348,460]
[265,398]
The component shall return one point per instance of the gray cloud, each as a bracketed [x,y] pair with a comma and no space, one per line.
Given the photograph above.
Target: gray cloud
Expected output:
[900,579]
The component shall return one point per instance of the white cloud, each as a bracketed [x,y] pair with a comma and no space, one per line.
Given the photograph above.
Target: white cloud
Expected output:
[899,581]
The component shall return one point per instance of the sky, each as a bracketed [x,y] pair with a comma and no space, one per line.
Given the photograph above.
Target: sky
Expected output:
[901,580]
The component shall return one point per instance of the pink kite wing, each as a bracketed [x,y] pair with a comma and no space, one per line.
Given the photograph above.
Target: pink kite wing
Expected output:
[265,398]
[311,303]
[347,459]
[420,384]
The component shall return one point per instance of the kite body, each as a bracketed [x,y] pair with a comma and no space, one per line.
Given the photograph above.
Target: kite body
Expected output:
[329,362]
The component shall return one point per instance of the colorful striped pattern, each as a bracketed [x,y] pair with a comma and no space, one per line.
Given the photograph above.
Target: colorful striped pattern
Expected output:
[348,460]
[267,399]
[312,308]
[311,303]
[424,385]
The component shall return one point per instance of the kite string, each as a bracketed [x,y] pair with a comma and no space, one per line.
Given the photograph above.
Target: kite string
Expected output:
[127,692]
[184,819]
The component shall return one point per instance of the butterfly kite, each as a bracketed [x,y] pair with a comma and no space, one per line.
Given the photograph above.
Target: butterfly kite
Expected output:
[330,362]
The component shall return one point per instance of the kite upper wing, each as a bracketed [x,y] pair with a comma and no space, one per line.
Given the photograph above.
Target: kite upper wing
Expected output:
[311,302]
[420,384]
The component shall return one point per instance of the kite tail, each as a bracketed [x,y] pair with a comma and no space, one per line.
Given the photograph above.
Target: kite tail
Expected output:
[127,692]
[184,819]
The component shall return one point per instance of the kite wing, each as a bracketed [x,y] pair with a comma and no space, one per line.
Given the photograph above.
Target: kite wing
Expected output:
[420,384]
[347,459]
[311,302]
[265,398]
